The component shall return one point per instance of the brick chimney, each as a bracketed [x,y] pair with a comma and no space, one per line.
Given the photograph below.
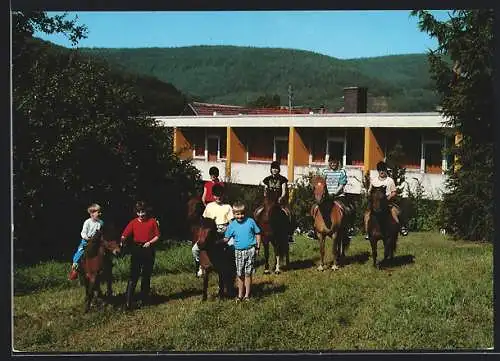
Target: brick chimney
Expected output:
[355,100]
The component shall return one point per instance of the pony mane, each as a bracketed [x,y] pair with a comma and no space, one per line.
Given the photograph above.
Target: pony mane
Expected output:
[207,223]
[93,245]
[383,200]
[317,179]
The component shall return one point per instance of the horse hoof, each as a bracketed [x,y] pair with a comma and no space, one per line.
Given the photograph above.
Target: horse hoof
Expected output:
[266,272]
[277,272]
[321,268]
[335,268]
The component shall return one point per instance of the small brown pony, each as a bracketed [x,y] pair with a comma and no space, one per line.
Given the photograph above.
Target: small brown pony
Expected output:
[214,254]
[329,220]
[381,225]
[97,265]
[274,225]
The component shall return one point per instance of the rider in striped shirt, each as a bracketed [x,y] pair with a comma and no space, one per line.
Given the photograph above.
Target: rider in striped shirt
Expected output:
[336,179]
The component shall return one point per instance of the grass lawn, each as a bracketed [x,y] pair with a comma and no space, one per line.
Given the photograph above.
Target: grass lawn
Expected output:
[438,295]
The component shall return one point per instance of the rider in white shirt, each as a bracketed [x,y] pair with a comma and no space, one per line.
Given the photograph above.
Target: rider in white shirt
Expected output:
[383,179]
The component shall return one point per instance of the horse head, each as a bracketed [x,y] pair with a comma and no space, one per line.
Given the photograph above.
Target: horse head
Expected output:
[378,199]
[109,235]
[204,232]
[112,246]
[195,208]
[319,186]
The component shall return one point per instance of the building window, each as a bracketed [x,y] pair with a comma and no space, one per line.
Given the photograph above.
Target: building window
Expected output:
[216,147]
[213,148]
[355,147]
[260,146]
[198,138]
[432,156]
[318,145]
[336,149]
[223,147]
[280,152]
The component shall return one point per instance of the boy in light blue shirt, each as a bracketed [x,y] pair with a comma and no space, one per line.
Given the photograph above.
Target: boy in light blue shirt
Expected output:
[246,237]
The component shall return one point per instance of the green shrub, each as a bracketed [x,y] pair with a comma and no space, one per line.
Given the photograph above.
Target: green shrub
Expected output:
[422,211]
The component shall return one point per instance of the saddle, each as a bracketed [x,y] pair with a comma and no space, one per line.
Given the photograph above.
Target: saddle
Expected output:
[346,209]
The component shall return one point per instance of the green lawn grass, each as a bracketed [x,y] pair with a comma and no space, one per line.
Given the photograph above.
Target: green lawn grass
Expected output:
[438,295]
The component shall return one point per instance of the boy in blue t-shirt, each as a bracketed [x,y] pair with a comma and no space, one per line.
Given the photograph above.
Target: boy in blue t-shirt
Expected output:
[246,235]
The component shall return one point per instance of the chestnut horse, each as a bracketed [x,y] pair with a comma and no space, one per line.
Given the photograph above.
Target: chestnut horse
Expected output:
[329,220]
[215,255]
[274,225]
[381,225]
[97,265]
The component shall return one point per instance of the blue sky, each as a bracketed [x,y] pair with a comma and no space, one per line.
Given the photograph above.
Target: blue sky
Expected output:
[341,34]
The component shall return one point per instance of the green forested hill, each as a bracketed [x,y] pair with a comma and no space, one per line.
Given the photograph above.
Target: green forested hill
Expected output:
[239,75]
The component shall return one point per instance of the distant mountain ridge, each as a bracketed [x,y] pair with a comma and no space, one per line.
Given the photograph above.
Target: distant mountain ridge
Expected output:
[239,75]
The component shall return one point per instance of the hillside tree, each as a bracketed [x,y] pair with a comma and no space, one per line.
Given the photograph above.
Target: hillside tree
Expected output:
[465,87]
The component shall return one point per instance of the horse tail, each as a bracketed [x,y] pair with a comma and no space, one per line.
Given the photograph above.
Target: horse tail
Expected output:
[279,224]
[339,213]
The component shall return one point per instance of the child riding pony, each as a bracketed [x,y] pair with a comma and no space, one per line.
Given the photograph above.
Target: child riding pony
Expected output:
[329,220]
[381,225]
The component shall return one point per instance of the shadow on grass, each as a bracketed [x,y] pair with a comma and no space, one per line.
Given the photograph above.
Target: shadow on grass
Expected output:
[300,264]
[359,258]
[259,290]
[266,288]
[154,299]
[398,261]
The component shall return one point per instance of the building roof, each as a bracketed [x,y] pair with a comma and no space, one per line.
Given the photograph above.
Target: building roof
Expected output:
[329,120]
[207,109]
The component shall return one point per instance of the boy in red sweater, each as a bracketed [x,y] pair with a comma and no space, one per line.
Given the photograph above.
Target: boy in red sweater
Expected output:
[145,233]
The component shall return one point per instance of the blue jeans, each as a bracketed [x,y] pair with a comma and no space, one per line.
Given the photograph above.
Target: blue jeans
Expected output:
[79,251]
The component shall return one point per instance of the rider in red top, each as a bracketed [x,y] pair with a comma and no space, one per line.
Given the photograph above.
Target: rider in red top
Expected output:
[207,196]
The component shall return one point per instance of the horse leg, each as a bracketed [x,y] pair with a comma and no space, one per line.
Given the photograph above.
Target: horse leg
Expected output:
[88,294]
[222,277]
[287,254]
[266,258]
[108,276]
[387,248]
[336,250]
[205,286]
[373,243]
[321,238]
[276,249]
[97,287]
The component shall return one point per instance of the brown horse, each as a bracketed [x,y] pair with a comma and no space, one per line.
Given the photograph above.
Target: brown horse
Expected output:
[96,266]
[215,255]
[381,225]
[274,224]
[329,220]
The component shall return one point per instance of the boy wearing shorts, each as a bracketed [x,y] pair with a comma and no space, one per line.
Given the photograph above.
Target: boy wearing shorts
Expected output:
[247,240]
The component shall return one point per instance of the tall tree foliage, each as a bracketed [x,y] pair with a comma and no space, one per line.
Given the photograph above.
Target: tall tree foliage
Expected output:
[467,99]
[82,134]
